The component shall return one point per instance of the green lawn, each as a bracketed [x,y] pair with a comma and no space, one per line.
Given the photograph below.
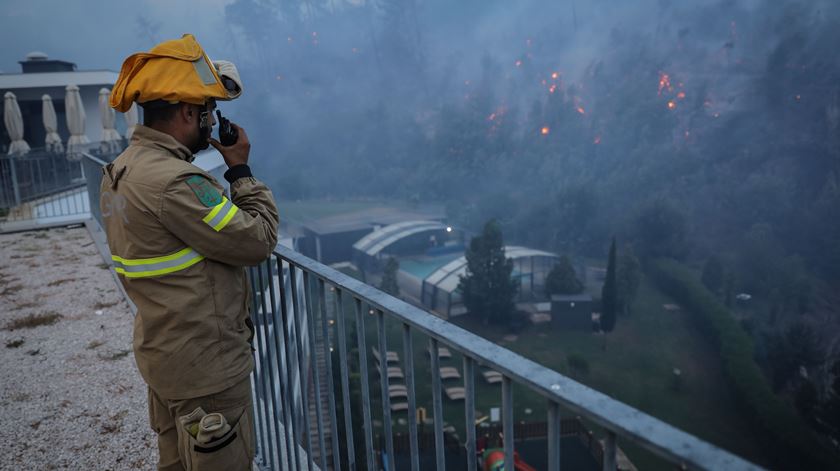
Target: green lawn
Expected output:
[637,367]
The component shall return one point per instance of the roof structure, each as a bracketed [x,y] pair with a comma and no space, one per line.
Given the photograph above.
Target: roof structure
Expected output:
[447,276]
[368,219]
[381,238]
[579,298]
[57,79]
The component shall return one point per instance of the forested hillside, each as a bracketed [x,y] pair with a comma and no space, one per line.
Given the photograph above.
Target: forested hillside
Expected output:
[707,131]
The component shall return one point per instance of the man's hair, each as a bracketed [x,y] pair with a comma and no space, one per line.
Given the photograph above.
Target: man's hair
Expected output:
[158,111]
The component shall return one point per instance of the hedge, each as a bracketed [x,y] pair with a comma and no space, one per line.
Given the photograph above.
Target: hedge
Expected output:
[788,437]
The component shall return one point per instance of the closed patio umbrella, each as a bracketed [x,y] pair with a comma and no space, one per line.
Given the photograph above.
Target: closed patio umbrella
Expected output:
[131,120]
[53,141]
[111,141]
[75,111]
[14,125]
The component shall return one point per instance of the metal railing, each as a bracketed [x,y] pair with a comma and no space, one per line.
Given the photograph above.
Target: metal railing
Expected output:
[34,175]
[303,313]
[310,415]
[40,184]
[44,188]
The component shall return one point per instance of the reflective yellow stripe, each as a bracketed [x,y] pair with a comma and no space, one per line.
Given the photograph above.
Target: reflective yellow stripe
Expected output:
[220,215]
[146,261]
[221,225]
[156,266]
[215,210]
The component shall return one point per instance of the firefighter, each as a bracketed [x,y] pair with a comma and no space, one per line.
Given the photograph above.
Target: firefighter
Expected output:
[180,243]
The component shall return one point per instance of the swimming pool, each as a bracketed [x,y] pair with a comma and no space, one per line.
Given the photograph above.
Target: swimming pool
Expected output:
[421,267]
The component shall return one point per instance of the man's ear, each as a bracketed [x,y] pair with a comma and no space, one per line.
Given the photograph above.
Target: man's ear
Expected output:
[186,113]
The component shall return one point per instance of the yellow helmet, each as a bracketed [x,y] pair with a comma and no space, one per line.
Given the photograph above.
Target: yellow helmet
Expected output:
[174,71]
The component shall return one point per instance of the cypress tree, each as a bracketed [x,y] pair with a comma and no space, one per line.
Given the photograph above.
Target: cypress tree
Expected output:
[609,295]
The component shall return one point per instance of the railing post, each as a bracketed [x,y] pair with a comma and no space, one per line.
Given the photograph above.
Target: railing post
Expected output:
[553,436]
[507,420]
[384,383]
[345,382]
[259,376]
[408,351]
[311,313]
[268,368]
[469,411]
[437,403]
[360,338]
[330,386]
[290,406]
[609,451]
[304,388]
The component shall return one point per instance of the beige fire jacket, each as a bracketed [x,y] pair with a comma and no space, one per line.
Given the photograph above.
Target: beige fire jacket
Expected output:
[180,245]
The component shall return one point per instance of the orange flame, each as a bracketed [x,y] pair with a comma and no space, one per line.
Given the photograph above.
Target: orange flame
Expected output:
[681,95]
[672,105]
[545,130]
[664,82]
[554,75]
[552,89]
[581,110]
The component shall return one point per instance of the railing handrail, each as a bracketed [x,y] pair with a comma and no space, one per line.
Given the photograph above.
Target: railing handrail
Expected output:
[657,436]
[93,158]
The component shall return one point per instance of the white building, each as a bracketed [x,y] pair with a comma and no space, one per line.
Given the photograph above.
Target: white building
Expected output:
[41,75]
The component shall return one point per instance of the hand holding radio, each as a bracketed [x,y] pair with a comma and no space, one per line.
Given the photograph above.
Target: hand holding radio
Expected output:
[233,142]
[227,132]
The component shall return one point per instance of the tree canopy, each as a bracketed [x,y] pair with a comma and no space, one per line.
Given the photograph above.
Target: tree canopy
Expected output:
[487,288]
[562,278]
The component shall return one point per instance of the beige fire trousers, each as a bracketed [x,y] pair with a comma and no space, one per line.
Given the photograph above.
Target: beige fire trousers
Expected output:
[178,449]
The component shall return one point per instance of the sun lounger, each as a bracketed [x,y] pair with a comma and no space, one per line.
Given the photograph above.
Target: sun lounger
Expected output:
[492,377]
[393,372]
[456,393]
[393,357]
[399,406]
[443,352]
[448,372]
[392,393]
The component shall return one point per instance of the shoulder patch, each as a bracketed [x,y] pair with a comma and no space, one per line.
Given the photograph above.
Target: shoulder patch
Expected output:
[207,195]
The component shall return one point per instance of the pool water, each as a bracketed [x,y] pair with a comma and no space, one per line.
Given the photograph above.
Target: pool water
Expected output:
[422,267]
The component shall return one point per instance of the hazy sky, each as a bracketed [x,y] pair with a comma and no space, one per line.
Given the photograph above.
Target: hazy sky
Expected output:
[99,34]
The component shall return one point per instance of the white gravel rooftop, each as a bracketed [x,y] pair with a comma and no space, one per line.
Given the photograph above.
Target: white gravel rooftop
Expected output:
[70,393]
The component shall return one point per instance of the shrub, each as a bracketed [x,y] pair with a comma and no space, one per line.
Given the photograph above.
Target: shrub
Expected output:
[789,436]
